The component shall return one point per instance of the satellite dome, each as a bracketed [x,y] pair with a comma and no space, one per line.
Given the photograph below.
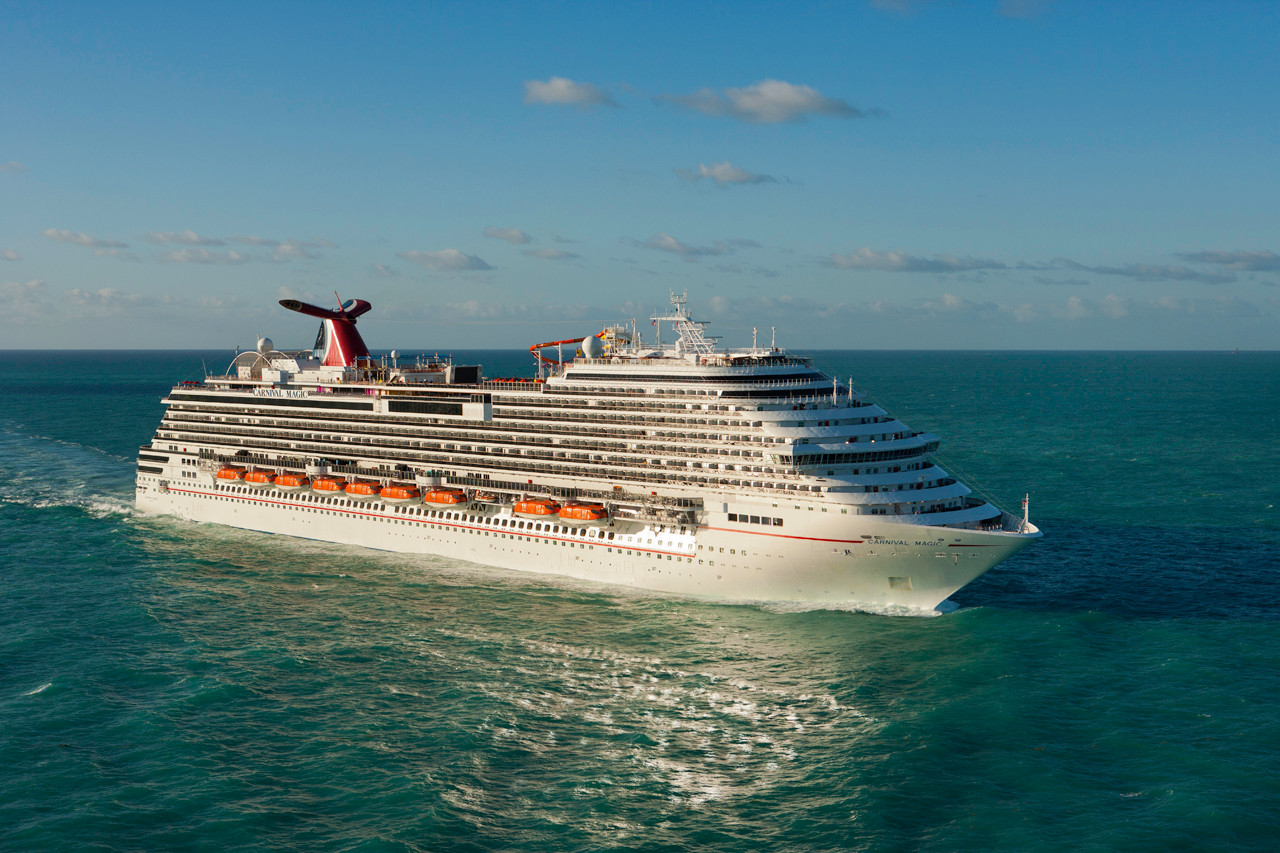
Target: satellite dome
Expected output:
[592,347]
[265,345]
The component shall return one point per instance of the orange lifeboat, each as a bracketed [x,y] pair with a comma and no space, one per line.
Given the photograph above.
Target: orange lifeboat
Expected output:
[363,489]
[230,472]
[539,508]
[445,497]
[584,515]
[328,484]
[292,481]
[399,493]
[486,498]
[260,478]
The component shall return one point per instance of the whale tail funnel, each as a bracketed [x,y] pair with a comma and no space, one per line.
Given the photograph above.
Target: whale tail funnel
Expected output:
[338,344]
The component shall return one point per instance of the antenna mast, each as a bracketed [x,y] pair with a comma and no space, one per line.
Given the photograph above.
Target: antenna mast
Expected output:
[689,332]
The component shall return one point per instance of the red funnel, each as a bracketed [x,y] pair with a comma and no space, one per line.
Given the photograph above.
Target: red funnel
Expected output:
[339,341]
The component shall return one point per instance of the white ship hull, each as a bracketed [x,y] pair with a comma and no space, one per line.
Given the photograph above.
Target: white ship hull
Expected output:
[885,565]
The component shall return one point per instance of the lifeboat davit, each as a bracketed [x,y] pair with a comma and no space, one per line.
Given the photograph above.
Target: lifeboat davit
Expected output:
[363,489]
[400,493]
[260,479]
[329,485]
[584,515]
[230,472]
[445,497]
[291,482]
[539,508]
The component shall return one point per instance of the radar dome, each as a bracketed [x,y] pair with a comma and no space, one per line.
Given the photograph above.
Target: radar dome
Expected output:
[592,347]
[265,345]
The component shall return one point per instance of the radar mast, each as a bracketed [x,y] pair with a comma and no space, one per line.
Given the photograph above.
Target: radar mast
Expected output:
[689,331]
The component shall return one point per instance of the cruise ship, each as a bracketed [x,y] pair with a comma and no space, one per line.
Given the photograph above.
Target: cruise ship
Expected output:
[680,467]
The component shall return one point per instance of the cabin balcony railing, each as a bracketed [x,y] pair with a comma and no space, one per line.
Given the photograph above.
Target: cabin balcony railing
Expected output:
[669,459]
[294,453]
[652,444]
[679,418]
[615,456]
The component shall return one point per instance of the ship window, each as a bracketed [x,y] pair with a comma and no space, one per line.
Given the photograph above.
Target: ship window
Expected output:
[733,516]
